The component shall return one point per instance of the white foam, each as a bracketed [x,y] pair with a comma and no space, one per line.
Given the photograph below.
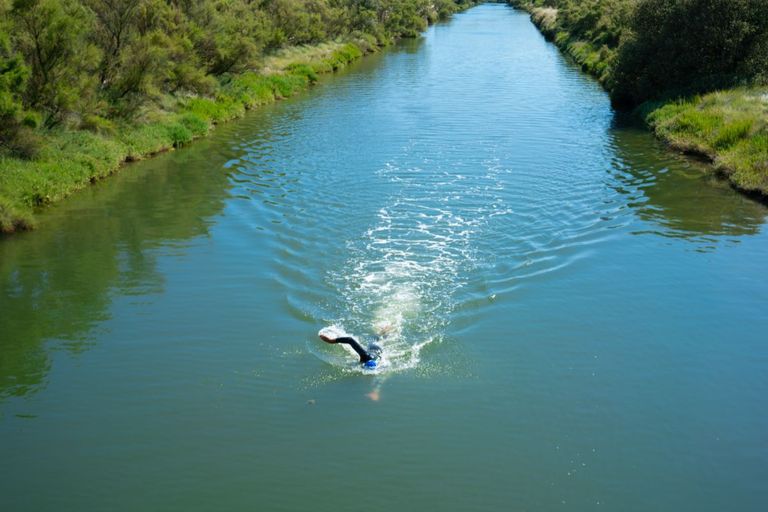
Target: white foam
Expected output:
[402,276]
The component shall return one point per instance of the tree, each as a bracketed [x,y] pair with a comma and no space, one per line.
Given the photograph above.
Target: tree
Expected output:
[13,80]
[51,36]
[113,30]
[690,46]
[228,35]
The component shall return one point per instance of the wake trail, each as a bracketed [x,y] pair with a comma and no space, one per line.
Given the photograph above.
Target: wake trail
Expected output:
[403,274]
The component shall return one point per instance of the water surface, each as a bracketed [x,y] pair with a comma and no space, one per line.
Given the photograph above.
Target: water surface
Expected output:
[576,316]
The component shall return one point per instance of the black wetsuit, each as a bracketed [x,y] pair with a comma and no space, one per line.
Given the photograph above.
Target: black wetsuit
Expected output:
[372,354]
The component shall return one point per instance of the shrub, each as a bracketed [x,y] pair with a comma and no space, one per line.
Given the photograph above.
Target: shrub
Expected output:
[179,134]
[251,89]
[286,86]
[304,70]
[194,123]
[221,109]
[97,124]
[687,46]
[12,218]
[25,143]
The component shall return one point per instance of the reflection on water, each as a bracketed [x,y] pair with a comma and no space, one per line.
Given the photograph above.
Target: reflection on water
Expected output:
[676,193]
[56,283]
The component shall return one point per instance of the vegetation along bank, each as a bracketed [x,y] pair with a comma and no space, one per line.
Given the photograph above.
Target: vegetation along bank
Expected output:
[86,85]
[695,70]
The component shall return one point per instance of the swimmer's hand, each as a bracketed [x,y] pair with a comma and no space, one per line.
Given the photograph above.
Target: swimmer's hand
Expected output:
[331,334]
[385,329]
[328,339]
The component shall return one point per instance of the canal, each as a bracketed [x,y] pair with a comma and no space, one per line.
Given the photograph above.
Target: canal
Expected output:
[575,317]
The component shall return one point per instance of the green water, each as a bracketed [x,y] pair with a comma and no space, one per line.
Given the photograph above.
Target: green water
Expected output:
[578,317]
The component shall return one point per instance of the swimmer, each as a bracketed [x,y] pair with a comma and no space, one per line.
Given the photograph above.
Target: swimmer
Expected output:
[368,358]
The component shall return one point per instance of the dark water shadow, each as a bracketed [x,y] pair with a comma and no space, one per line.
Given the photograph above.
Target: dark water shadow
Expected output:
[680,195]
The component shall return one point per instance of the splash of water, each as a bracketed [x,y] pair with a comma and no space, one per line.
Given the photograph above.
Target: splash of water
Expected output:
[401,279]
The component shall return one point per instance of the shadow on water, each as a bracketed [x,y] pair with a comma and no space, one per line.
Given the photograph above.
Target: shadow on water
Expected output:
[678,193]
[57,283]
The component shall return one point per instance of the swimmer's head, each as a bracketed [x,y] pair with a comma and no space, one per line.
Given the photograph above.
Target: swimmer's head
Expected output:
[331,334]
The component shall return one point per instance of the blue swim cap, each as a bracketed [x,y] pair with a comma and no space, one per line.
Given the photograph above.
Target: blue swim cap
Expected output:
[370,364]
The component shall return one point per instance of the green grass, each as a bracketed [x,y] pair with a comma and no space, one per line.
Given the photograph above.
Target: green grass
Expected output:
[69,160]
[728,127]
[593,58]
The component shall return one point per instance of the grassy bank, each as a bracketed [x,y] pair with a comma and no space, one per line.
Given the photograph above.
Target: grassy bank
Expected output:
[591,40]
[86,85]
[70,160]
[728,127]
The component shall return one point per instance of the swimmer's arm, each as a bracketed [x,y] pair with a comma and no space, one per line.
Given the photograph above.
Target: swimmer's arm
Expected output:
[352,342]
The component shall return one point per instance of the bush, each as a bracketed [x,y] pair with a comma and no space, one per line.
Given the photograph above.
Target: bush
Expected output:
[12,218]
[25,143]
[179,134]
[304,70]
[97,124]
[195,124]
[143,75]
[682,47]
[221,109]
[286,86]
[31,119]
[251,89]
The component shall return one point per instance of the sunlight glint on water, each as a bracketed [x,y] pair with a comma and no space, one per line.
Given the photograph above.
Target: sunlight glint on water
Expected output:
[404,272]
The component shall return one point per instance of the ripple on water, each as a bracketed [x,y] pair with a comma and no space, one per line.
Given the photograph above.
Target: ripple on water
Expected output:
[464,202]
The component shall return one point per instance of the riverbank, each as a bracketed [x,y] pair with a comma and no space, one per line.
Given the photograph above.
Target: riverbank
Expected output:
[728,128]
[70,160]
[99,103]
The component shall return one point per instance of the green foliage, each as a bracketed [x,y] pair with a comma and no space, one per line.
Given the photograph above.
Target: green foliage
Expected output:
[13,79]
[251,89]
[731,127]
[687,46]
[12,218]
[223,108]
[649,52]
[24,143]
[654,49]
[51,34]
[179,134]
[228,35]
[144,140]
[197,125]
[303,69]
[97,124]
[88,84]
[285,86]
[31,119]
[70,59]
[746,163]
[729,133]
[298,22]
[588,30]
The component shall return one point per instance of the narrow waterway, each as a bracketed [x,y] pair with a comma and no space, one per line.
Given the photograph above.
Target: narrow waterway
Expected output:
[576,317]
